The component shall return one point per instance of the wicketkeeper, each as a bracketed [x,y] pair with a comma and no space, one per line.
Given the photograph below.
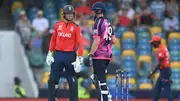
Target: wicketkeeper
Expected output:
[62,54]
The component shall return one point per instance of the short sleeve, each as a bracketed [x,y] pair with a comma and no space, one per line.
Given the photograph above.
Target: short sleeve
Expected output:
[97,30]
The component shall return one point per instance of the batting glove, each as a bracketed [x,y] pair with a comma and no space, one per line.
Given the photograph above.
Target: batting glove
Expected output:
[77,64]
[49,58]
[88,61]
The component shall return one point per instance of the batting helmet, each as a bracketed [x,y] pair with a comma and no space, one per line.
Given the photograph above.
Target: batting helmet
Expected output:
[98,7]
[68,9]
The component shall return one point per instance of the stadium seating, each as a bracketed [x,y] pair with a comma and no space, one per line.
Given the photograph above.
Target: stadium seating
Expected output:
[155,30]
[128,44]
[111,83]
[146,86]
[119,31]
[32,13]
[129,34]
[15,5]
[128,51]
[147,61]
[174,35]
[141,29]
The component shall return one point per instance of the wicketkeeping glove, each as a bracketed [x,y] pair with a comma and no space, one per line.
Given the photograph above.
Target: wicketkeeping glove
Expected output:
[77,64]
[49,58]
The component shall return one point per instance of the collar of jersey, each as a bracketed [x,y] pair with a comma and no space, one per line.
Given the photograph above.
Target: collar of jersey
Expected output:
[67,22]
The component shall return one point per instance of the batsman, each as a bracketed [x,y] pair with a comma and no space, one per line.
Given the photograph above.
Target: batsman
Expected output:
[101,50]
[164,79]
[62,56]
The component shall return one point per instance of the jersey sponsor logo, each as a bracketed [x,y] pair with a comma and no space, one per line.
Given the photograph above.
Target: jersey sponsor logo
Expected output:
[66,35]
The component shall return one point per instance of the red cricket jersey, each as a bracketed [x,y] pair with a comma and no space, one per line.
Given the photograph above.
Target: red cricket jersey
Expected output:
[163,53]
[66,36]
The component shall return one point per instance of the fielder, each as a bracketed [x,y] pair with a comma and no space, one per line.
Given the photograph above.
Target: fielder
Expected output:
[101,50]
[62,54]
[163,65]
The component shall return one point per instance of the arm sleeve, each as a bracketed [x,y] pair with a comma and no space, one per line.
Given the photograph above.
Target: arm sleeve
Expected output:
[79,41]
[53,40]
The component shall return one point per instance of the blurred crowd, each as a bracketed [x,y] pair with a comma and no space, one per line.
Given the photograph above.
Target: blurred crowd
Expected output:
[34,22]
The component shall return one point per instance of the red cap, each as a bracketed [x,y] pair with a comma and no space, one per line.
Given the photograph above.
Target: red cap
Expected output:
[155,38]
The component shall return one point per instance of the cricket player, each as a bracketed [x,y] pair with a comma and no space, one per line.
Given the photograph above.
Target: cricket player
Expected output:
[101,49]
[62,55]
[163,65]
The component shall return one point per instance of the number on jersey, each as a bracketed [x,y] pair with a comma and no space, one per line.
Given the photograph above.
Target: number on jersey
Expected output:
[108,36]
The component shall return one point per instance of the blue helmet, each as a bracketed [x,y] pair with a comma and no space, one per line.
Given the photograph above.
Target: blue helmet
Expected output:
[68,8]
[98,6]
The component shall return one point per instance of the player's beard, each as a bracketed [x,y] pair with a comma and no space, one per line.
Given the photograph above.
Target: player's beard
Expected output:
[95,16]
[155,45]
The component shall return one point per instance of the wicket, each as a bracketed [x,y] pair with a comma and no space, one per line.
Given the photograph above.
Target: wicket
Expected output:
[124,75]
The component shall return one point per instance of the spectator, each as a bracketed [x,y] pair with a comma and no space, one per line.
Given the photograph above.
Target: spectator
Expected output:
[141,4]
[133,23]
[40,24]
[145,18]
[171,23]
[158,7]
[23,28]
[130,12]
[122,19]
[19,91]
[124,3]
[173,6]
[83,9]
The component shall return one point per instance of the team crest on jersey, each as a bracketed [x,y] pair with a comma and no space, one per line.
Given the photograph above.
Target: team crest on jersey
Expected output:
[60,27]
